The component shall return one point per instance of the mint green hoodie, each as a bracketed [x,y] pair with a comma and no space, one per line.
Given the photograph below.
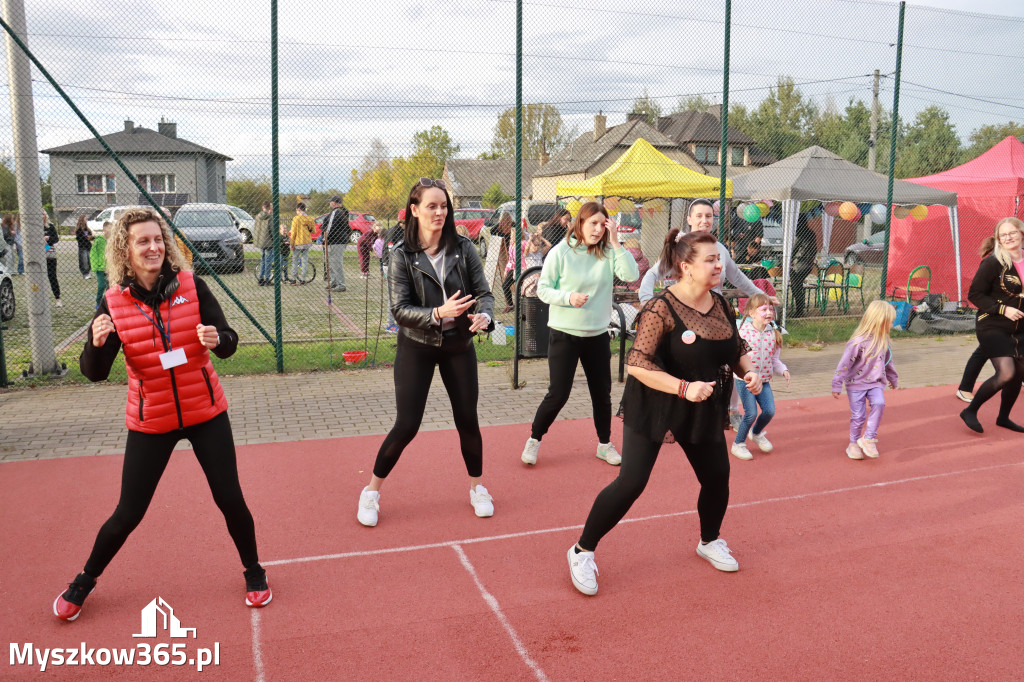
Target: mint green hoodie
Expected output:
[568,268]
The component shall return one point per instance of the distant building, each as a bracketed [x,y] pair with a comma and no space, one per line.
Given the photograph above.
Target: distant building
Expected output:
[84,178]
[700,134]
[469,179]
[593,152]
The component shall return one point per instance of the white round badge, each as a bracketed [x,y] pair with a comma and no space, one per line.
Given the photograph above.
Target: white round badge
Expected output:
[689,337]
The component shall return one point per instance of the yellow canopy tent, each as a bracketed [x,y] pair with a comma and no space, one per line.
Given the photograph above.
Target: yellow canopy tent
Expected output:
[643,172]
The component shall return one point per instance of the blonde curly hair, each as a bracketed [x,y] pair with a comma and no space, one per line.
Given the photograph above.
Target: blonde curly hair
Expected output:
[118,251]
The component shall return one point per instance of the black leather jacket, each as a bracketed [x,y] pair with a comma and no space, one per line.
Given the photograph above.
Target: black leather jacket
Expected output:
[415,291]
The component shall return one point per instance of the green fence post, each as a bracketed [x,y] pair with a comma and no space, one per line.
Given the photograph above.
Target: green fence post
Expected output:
[892,149]
[275,192]
[517,337]
[725,121]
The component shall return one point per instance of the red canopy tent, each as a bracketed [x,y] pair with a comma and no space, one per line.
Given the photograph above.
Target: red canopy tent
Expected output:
[988,188]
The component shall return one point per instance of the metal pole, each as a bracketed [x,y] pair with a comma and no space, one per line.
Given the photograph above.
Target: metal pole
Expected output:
[873,137]
[30,199]
[274,191]
[892,149]
[517,231]
[722,212]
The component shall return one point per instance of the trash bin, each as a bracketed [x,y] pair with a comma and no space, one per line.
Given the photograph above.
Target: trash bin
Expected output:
[533,319]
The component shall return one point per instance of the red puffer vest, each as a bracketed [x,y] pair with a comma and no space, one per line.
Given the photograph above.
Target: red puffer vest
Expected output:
[162,400]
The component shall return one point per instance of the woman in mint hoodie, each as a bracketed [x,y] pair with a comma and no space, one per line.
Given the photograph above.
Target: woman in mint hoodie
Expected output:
[576,282]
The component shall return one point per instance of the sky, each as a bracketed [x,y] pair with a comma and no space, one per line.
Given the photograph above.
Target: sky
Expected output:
[349,76]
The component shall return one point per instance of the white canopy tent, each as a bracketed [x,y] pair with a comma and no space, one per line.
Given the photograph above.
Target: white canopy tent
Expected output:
[816,174]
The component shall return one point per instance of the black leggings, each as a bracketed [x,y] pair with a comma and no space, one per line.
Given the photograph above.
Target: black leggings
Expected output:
[51,273]
[565,351]
[1007,379]
[709,459]
[972,369]
[145,458]
[414,370]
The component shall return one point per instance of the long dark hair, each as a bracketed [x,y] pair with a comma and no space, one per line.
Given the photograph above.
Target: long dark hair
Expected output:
[449,237]
[681,249]
[588,210]
[556,220]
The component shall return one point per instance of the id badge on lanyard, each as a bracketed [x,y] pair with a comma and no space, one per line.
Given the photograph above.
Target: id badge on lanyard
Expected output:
[174,357]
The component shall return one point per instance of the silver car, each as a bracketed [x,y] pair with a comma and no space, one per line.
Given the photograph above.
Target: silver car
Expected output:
[7,302]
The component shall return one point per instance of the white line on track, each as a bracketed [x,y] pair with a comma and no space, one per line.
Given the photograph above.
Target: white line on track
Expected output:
[496,608]
[257,646]
[654,517]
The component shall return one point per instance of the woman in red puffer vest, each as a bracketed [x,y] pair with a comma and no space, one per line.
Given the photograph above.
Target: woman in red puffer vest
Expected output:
[167,321]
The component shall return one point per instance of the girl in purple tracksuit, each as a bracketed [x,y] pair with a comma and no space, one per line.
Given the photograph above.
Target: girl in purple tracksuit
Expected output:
[865,368]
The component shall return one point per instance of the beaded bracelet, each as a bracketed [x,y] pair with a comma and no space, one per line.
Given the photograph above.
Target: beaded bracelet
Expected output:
[683,383]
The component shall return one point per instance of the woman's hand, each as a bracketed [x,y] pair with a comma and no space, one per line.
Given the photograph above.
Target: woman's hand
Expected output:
[578,300]
[455,305]
[208,336]
[102,327]
[699,391]
[1013,313]
[836,395]
[753,380]
[480,321]
[786,374]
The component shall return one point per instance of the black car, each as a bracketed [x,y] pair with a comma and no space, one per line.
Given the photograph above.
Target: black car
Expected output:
[214,234]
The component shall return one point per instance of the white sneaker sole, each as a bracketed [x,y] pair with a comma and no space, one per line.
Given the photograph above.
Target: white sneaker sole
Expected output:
[249,603]
[487,513]
[605,458]
[740,455]
[727,568]
[865,450]
[763,448]
[578,585]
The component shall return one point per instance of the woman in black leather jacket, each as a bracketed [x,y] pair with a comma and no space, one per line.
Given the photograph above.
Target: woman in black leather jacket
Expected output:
[438,316]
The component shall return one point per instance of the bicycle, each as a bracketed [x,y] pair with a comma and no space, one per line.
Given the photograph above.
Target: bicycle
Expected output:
[285,279]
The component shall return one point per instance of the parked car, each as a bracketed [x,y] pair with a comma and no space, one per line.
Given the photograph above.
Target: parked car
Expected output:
[213,231]
[111,213]
[246,223]
[771,240]
[7,302]
[534,214]
[361,223]
[627,225]
[870,250]
[472,219]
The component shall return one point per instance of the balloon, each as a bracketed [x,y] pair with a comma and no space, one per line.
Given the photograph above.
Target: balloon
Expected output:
[832,208]
[769,203]
[573,207]
[919,212]
[762,207]
[849,211]
[878,213]
[611,204]
[751,213]
[717,206]
[900,212]
[626,206]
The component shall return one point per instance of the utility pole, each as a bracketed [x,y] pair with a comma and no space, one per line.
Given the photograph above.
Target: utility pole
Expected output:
[30,199]
[873,139]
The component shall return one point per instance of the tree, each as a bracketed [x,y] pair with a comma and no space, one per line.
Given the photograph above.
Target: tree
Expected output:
[931,145]
[987,136]
[377,155]
[494,197]
[431,148]
[543,132]
[692,103]
[248,193]
[649,108]
[8,187]
[488,156]
[782,122]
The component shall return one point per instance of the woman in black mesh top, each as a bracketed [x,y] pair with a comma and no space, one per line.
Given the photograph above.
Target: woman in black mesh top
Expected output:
[680,377]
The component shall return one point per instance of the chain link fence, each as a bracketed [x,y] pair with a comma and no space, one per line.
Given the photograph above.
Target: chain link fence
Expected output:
[371,100]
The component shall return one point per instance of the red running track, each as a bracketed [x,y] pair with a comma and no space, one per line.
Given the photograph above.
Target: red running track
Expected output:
[907,567]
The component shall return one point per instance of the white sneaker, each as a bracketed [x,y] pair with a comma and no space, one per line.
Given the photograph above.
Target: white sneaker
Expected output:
[583,571]
[530,451]
[853,451]
[369,505]
[59,304]
[719,554]
[762,441]
[741,451]
[483,503]
[868,446]
[608,453]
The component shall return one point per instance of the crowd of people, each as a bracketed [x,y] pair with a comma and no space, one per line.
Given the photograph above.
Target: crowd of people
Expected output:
[689,354]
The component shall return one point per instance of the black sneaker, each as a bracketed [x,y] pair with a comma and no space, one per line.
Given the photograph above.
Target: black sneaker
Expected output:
[68,605]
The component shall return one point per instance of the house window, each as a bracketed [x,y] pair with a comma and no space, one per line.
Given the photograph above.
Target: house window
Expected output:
[737,156]
[95,184]
[163,182]
[706,154]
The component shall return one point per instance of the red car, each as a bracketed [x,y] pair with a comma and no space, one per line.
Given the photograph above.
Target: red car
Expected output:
[361,223]
[472,219]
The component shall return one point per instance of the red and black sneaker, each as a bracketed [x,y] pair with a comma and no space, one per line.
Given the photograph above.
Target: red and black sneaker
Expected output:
[68,605]
[257,591]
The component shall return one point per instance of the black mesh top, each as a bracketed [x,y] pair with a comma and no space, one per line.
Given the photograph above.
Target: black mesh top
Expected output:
[712,355]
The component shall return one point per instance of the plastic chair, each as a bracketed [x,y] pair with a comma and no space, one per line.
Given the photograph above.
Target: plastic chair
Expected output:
[919,282]
[832,286]
[855,281]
